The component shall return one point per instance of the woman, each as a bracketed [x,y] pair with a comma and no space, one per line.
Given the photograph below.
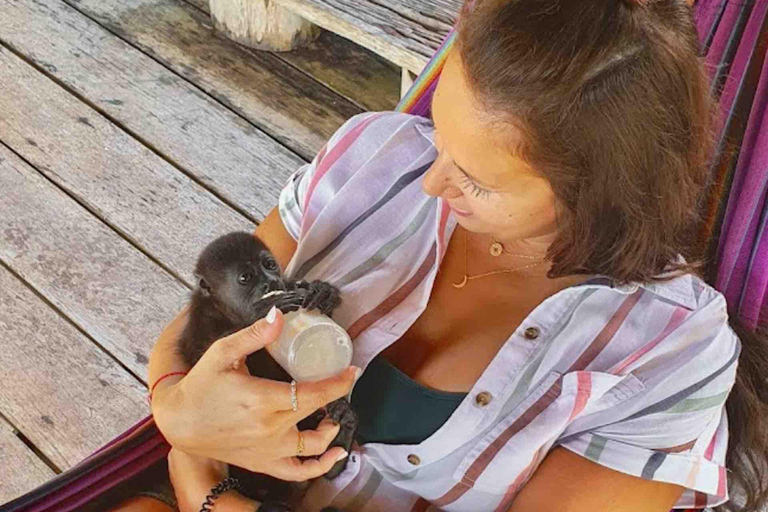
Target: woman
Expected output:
[519,280]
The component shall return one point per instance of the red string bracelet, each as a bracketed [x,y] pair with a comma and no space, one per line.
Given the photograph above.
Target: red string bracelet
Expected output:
[160,380]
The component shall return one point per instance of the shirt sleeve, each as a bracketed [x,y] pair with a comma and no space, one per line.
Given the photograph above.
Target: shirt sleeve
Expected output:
[676,430]
[295,193]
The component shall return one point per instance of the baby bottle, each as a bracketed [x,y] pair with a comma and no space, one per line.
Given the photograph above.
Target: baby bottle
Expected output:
[311,346]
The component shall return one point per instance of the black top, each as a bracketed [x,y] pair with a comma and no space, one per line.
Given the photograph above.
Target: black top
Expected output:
[394,409]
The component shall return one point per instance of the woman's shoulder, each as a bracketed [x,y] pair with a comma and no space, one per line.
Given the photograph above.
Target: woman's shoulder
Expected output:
[382,124]
[365,135]
[370,155]
[668,323]
[367,154]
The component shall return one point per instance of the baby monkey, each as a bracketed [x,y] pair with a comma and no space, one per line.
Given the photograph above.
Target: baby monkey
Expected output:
[234,273]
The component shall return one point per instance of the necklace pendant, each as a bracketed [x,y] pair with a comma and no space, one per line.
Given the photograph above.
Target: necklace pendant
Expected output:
[496,249]
[462,284]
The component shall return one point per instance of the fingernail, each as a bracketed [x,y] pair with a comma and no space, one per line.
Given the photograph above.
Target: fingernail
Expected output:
[343,456]
[358,373]
[272,315]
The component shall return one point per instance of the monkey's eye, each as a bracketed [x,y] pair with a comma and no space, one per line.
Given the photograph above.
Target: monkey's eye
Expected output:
[245,278]
[270,264]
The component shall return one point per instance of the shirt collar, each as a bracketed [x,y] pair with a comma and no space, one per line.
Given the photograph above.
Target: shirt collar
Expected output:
[678,290]
[426,129]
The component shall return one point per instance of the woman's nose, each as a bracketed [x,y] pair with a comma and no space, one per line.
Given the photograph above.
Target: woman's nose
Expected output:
[437,182]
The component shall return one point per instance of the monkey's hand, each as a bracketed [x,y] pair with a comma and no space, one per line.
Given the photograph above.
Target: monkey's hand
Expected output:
[320,295]
[285,302]
[340,411]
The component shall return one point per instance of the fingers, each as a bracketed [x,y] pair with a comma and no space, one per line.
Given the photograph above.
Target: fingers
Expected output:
[314,395]
[316,442]
[297,470]
[230,350]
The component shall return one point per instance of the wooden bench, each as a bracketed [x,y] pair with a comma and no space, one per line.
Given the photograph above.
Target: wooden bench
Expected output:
[405,32]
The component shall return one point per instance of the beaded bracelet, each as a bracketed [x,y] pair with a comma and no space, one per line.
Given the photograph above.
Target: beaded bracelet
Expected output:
[225,485]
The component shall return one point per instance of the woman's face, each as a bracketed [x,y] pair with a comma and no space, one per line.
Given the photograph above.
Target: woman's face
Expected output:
[490,190]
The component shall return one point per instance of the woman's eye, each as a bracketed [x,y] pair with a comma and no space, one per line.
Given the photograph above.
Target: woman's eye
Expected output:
[245,278]
[476,190]
[270,264]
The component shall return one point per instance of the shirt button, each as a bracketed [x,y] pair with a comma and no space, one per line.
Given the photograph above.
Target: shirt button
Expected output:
[532,333]
[483,398]
[414,459]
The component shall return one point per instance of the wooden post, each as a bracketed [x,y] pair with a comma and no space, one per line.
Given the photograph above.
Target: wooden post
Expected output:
[406,81]
[262,24]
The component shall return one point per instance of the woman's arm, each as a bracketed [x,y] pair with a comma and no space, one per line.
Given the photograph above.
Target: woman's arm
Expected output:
[566,482]
[272,232]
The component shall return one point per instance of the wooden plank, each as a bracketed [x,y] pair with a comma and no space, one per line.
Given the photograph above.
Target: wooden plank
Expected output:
[216,146]
[405,32]
[64,393]
[279,99]
[93,276]
[408,77]
[352,71]
[141,195]
[358,74]
[22,470]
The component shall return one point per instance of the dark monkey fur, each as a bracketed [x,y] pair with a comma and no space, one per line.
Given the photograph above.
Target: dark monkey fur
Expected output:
[234,272]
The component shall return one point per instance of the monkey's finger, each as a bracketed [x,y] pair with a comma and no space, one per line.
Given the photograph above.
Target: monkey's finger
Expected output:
[235,347]
[297,470]
[311,396]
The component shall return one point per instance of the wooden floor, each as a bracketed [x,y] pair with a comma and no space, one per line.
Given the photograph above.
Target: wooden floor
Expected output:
[130,136]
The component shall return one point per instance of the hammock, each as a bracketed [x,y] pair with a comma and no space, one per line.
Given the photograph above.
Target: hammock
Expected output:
[734,39]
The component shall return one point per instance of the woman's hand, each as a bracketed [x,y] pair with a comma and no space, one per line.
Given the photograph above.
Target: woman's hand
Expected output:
[220,412]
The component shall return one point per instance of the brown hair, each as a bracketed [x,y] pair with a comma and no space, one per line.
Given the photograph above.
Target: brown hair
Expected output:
[612,99]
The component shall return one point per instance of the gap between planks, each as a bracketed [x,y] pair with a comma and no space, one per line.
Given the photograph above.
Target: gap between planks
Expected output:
[15,454]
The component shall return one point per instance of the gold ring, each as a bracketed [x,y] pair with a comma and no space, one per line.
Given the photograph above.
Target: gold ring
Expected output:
[301,443]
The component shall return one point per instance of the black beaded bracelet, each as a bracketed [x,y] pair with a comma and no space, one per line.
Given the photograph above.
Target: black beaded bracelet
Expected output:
[225,485]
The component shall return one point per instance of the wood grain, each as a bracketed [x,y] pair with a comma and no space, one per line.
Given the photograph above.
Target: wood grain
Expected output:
[352,71]
[126,185]
[219,148]
[22,470]
[362,77]
[66,395]
[277,98]
[262,24]
[405,32]
[94,277]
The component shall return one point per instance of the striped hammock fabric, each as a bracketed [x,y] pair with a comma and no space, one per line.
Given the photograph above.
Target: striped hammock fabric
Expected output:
[734,40]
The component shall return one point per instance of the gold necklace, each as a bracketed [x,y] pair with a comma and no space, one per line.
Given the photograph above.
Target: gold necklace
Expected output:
[495,247]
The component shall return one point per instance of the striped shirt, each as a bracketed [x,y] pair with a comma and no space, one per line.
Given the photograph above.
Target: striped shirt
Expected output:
[632,377]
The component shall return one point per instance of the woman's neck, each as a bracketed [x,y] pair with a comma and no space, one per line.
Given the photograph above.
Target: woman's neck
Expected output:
[518,253]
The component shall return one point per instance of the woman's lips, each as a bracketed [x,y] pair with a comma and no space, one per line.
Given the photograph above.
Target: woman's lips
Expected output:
[460,213]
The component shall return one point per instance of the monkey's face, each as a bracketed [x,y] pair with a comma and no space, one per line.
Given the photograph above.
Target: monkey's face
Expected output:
[241,284]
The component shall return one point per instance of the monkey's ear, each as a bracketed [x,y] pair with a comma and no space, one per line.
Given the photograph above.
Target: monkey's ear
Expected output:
[204,287]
